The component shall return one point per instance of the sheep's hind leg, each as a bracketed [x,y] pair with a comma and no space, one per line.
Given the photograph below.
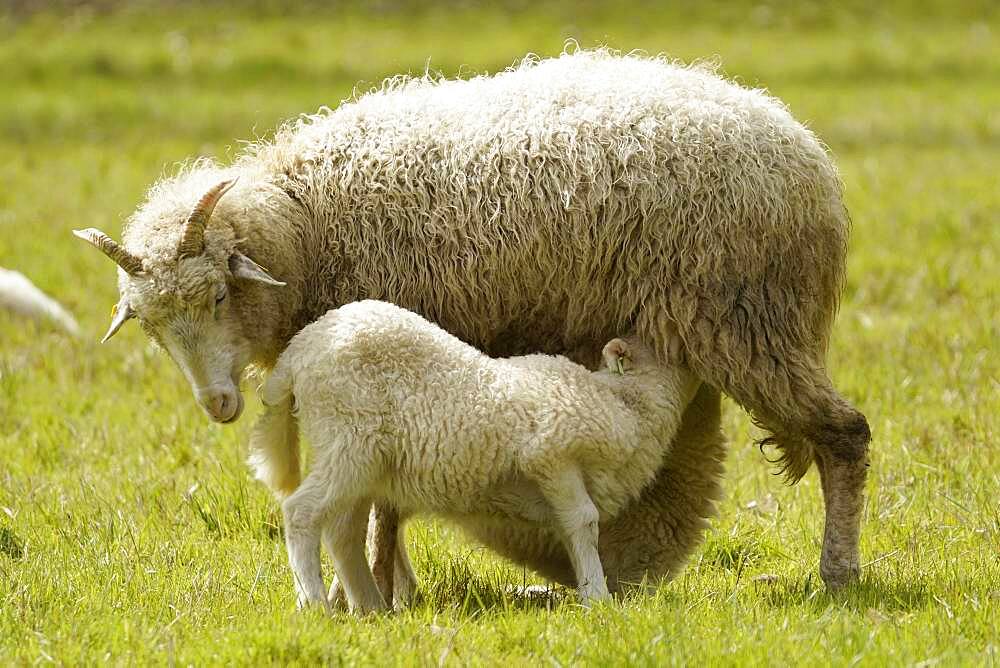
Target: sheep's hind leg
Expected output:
[345,540]
[577,519]
[304,513]
[841,436]
[828,430]
[843,483]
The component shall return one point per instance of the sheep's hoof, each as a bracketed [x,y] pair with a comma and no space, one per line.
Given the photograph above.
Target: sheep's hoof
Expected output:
[589,595]
[837,576]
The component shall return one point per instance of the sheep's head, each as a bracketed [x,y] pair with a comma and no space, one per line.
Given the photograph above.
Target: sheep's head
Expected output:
[186,304]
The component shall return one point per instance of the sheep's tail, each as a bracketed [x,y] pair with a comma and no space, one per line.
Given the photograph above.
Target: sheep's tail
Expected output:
[274,443]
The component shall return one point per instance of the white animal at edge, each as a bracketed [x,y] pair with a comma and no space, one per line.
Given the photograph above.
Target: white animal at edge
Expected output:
[19,295]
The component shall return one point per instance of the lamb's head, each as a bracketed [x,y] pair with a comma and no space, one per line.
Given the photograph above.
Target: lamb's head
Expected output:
[183,286]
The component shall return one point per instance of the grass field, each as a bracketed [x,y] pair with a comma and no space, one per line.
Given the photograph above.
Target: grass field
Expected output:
[130,530]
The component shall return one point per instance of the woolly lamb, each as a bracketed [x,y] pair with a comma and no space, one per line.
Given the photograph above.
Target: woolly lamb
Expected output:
[397,409]
[544,209]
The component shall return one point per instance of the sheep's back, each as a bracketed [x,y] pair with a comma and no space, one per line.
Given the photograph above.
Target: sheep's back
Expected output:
[555,142]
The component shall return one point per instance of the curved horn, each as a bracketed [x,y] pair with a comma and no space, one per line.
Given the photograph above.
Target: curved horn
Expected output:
[193,239]
[130,263]
[121,313]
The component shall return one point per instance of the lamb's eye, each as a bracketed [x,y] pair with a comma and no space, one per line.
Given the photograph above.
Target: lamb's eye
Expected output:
[219,298]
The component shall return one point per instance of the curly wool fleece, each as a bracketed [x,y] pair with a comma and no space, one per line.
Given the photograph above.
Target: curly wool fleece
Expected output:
[639,192]
[397,409]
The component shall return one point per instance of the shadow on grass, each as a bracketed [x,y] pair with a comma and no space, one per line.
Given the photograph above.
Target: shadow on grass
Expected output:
[472,590]
[458,587]
[865,595]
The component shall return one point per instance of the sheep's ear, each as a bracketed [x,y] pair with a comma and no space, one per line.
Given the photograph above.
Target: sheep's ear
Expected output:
[120,313]
[244,267]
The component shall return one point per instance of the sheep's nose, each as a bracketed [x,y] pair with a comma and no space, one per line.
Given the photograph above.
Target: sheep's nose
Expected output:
[217,406]
[222,405]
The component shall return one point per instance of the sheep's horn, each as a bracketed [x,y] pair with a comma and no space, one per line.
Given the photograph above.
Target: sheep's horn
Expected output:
[193,239]
[130,263]
[121,313]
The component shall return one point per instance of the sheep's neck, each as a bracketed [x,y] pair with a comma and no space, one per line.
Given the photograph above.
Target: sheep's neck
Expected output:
[273,315]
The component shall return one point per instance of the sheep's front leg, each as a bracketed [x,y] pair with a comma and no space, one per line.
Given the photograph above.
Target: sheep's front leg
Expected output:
[577,519]
[345,541]
[304,512]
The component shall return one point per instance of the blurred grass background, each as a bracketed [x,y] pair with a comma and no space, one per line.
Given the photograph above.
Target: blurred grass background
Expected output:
[129,528]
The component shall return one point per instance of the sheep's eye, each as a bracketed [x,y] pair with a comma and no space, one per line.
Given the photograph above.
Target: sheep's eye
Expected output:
[219,298]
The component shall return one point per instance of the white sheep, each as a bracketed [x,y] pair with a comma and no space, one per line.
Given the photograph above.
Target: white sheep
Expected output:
[20,296]
[398,410]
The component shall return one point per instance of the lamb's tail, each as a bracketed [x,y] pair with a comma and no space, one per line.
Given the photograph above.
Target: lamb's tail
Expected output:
[274,443]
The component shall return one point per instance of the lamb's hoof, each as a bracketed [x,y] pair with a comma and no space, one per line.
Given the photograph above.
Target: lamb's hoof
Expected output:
[310,606]
[371,608]
[337,599]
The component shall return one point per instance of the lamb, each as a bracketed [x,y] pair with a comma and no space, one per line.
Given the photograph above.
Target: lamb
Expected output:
[19,295]
[397,409]
[544,209]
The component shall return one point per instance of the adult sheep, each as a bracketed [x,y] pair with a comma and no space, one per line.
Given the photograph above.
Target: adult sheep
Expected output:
[545,209]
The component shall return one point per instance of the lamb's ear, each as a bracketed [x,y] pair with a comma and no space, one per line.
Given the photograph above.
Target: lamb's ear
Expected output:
[616,356]
[244,267]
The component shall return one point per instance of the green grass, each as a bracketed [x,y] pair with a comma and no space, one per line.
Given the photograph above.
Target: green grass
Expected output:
[131,531]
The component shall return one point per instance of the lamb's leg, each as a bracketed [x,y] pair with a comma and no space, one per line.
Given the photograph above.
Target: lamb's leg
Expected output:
[577,519]
[336,597]
[304,513]
[383,530]
[376,548]
[404,579]
[345,541]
